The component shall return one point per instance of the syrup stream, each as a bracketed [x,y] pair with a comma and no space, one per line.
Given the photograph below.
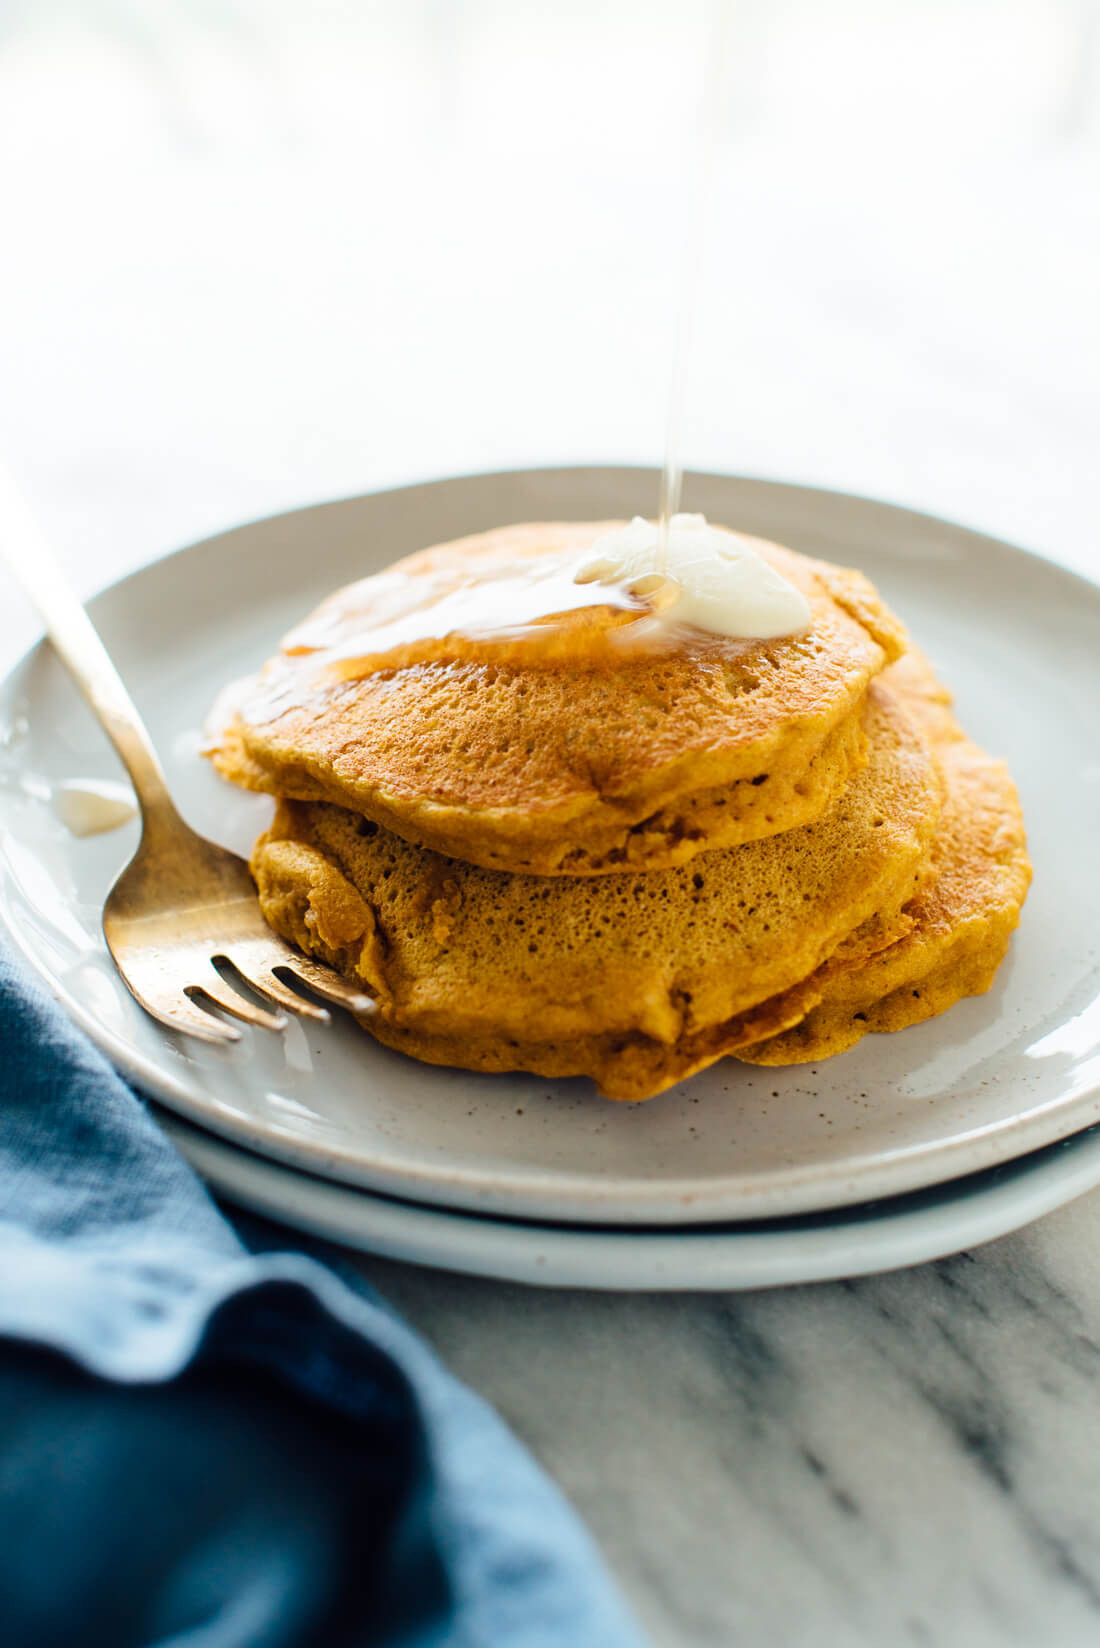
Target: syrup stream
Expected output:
[701,170]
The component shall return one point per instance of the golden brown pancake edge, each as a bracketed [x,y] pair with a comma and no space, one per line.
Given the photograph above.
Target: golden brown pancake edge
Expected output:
[466,963]
[963,917]
[558,770]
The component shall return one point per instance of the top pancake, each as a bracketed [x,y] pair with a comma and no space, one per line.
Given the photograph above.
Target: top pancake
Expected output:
[578,759]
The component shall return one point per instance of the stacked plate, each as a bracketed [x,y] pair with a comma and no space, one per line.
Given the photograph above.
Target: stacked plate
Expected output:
[906,1148]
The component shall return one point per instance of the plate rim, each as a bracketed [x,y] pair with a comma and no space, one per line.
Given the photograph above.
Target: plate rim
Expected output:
[691,478]
[685,1202]
[858,1241]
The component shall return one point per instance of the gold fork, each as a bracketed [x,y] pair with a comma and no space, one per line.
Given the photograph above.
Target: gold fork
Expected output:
[182,904]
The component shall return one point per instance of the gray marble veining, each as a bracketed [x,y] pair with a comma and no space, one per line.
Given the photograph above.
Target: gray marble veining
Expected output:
[908,1459]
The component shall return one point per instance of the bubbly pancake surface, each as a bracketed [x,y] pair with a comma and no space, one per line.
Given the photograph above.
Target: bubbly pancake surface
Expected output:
[634,979]
[962,917]
[580,757]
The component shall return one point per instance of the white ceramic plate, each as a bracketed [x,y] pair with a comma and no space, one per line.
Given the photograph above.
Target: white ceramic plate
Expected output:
[905,1230]
[998,1076]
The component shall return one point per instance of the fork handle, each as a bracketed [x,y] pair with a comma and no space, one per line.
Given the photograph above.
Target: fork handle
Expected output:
[33,566]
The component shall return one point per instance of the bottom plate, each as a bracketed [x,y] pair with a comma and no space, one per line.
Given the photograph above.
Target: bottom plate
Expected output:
[878,1236]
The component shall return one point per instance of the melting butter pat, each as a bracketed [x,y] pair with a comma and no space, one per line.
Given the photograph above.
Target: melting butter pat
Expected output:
[702,577]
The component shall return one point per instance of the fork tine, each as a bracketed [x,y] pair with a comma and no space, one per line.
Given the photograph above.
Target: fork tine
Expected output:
[189,1020]
[214,988]
[263,981]
[329,984]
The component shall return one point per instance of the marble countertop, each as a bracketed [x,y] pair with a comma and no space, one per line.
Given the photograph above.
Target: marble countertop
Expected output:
[285,255]
[906,1459]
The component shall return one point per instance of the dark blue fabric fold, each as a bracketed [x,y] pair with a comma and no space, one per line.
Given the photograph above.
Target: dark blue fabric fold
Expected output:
[207,1447]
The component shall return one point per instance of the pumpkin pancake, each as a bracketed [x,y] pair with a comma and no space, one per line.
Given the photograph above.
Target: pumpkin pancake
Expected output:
[962,917]
[634,979]
[569,749]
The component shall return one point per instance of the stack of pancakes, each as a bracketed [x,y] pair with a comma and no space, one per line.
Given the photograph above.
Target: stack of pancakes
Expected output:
[628,865]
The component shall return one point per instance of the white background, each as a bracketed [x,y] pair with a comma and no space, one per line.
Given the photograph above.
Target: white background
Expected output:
[254,253]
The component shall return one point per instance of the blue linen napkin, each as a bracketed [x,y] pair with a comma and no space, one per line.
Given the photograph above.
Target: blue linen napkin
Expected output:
[203,1446]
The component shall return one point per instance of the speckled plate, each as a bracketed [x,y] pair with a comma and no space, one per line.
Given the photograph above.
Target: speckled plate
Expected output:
[1019,640]
[816,1247]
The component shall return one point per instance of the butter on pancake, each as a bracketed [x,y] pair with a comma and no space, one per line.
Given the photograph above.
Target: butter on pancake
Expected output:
[961,918]
[569,748]
[633,979]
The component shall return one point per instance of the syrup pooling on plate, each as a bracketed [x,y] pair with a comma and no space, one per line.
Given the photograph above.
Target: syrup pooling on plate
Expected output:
[93,806]
[86,806]
[588,602]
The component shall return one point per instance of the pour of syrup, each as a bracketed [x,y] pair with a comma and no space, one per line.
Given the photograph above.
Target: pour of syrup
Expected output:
[530,594]
[543,594]
[691,246]
[530,604]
